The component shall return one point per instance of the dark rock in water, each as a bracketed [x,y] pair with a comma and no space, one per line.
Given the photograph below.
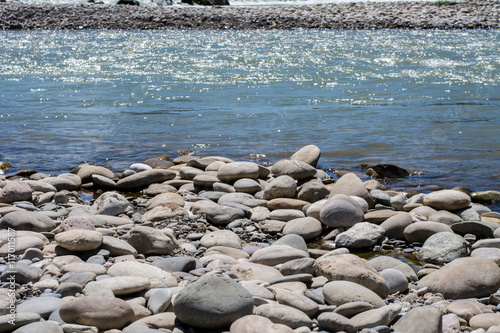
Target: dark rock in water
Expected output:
[128,2]
[481,229]
[383,170]
[4,166]
[486,196]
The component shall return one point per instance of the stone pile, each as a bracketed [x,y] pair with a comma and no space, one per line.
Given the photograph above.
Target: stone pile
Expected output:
[15,15]
[208,244]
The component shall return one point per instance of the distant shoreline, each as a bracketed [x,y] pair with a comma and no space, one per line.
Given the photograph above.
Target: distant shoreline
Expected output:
[359,15]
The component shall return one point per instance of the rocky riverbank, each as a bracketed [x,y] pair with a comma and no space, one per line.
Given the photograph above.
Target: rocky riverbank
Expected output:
[213,245]
[363,15]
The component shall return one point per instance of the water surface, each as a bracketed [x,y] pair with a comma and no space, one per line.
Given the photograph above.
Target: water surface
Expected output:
[428,101]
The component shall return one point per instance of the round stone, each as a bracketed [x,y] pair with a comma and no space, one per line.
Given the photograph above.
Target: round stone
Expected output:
[280,187]
[396,281]
[110,203]
[344,292]
[361,235]
[341,211]
[306,227]
[442,248]
[350,184]
[212,302]
[309,154]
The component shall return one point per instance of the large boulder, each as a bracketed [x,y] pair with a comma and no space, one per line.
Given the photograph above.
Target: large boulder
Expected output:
[341,211]
[349,267]
[212,302]
[464,278]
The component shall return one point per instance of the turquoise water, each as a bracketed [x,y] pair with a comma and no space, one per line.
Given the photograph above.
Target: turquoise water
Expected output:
[428,101]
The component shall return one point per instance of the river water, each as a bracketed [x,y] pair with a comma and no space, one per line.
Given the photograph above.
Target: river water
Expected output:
[428,101]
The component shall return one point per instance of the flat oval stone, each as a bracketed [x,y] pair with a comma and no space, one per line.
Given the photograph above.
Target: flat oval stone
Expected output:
[157,277]
[237,170]
[29,221]
[144,179]
[420,231]
[283,314]
[448,200]
[248,271]
[43,326]
[257,324]
[79,239]
[102,312]
[306,227]
[344,292]
[86,172]
[43,306]
[123,285]
[294,168]
[221,238]
[276,254]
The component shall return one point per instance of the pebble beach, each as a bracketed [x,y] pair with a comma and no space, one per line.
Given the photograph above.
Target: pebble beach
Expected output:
[210,244]
[362,15]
